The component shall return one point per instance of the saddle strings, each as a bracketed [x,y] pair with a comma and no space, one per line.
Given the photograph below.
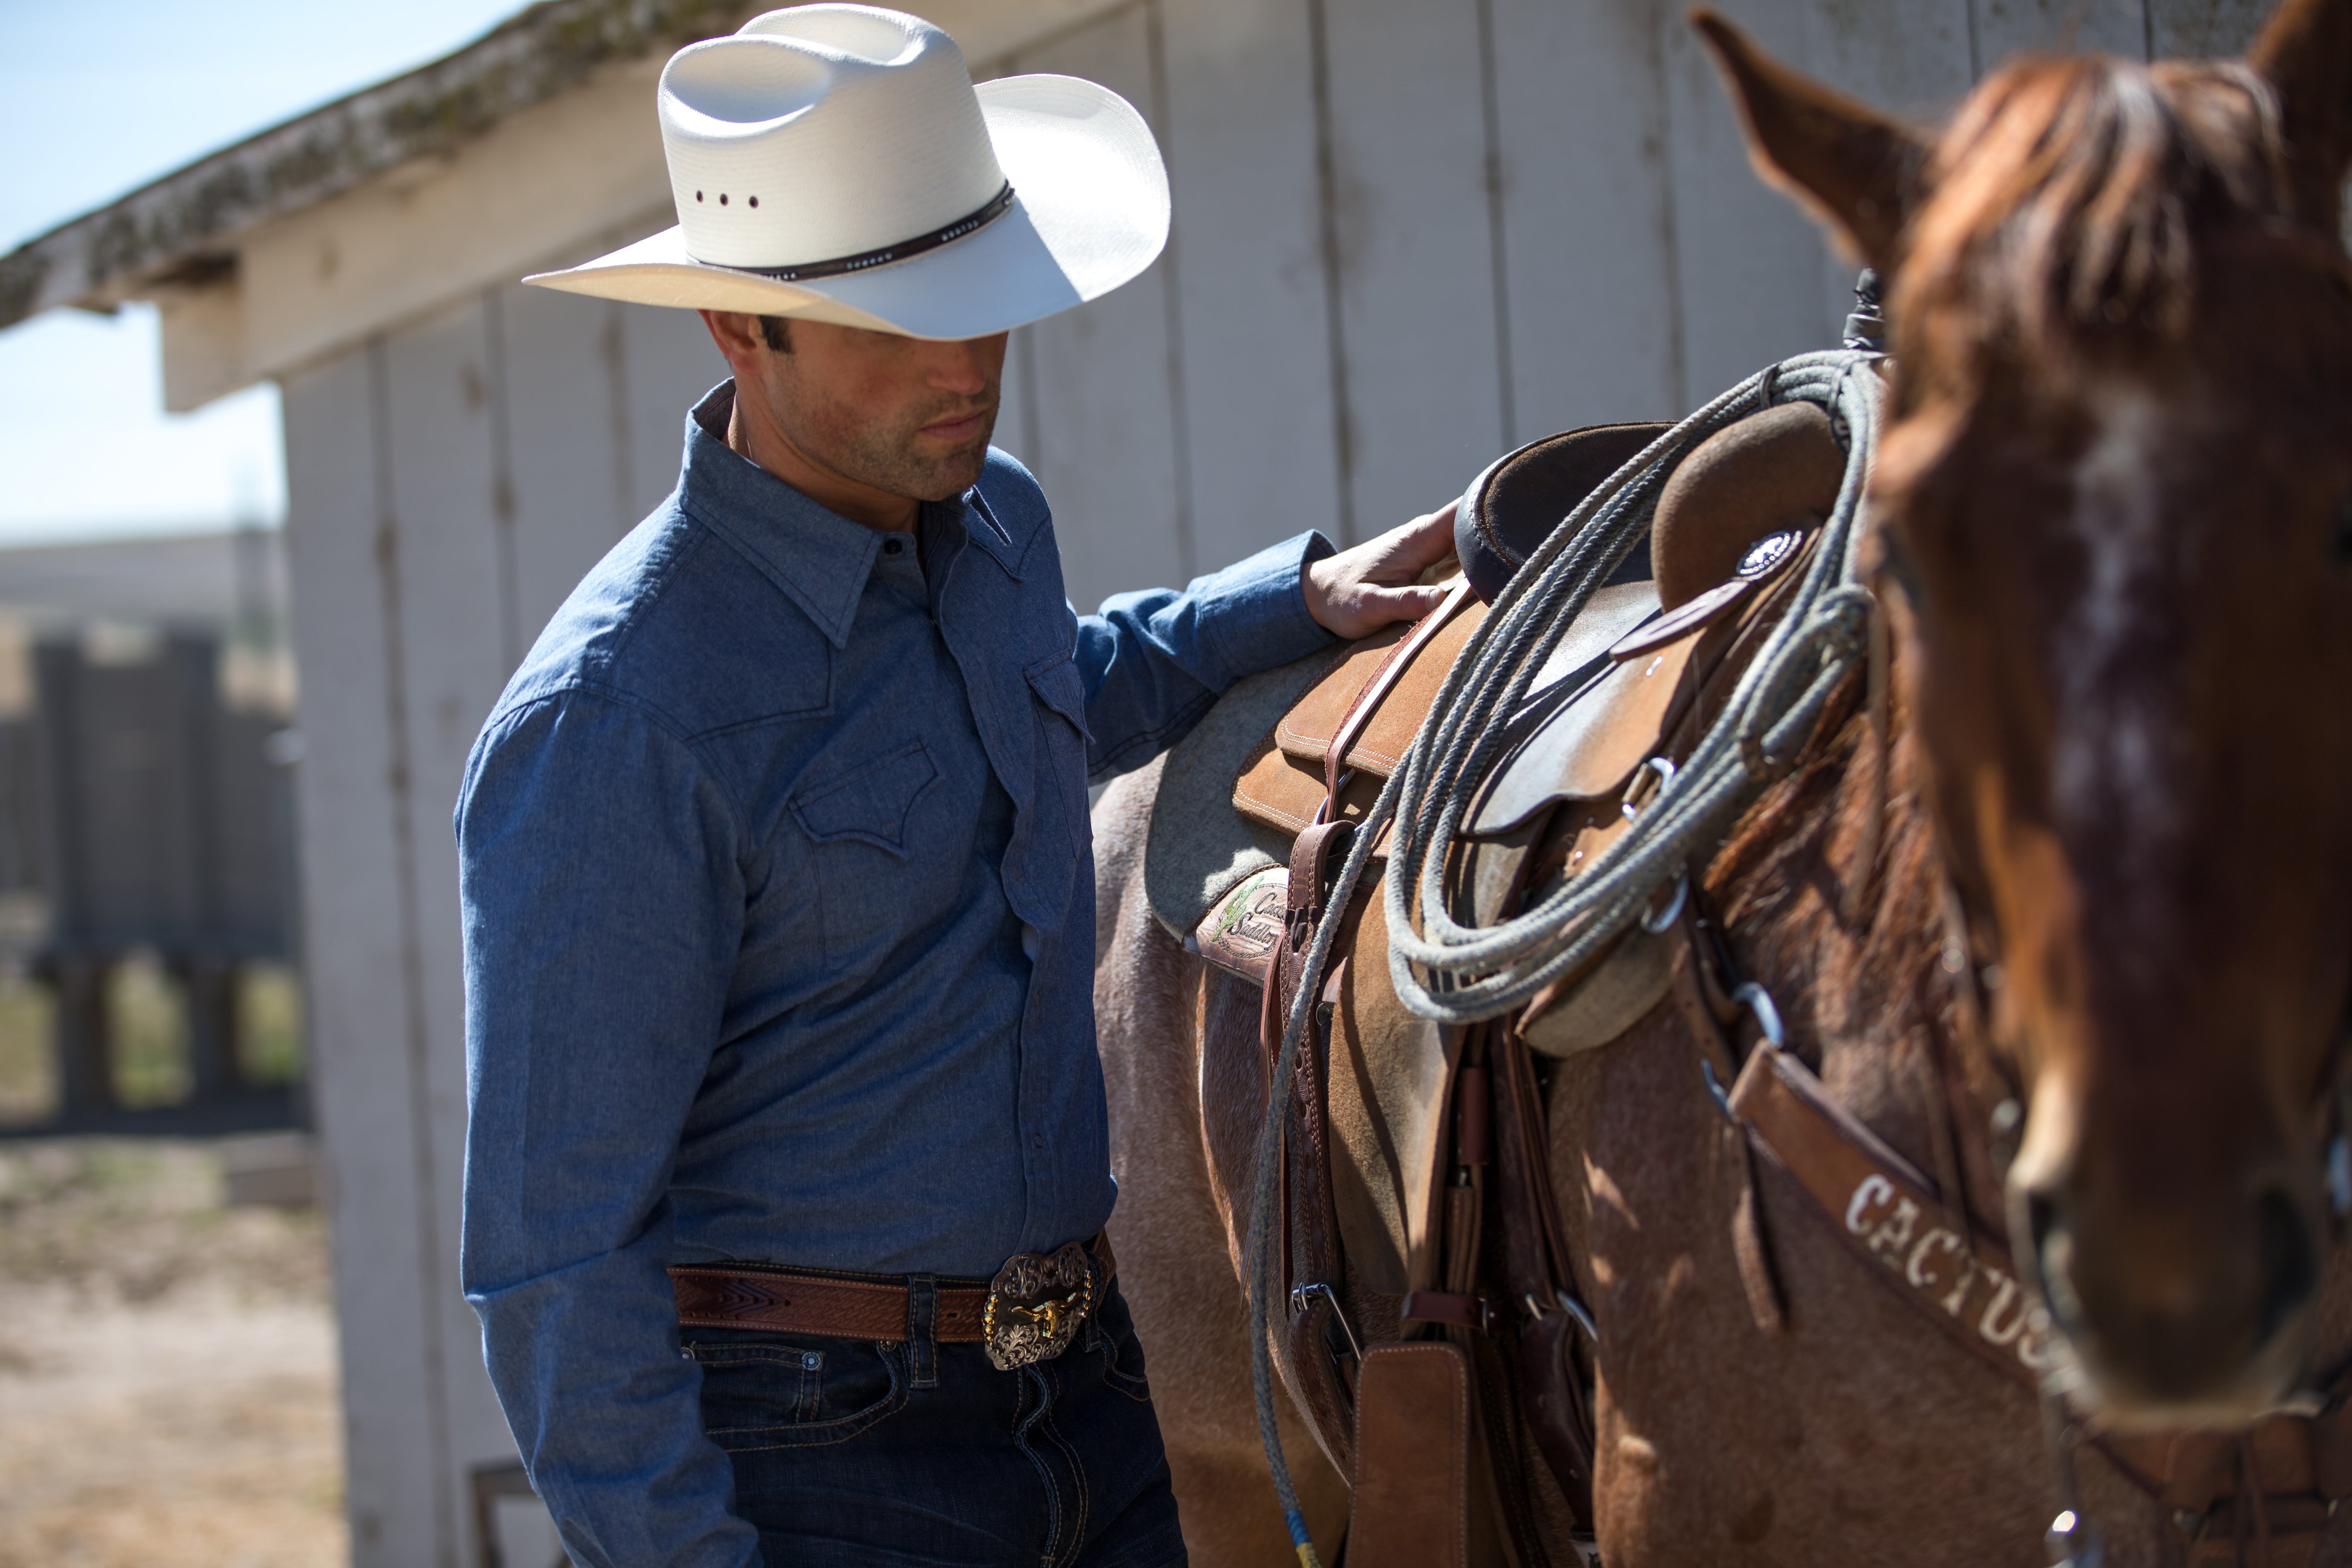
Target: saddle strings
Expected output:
[1483,973]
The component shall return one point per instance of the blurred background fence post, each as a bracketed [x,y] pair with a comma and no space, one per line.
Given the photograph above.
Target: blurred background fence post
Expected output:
[157,863]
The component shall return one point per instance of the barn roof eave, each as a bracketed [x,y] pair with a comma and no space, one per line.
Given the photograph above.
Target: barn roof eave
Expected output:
[180,228]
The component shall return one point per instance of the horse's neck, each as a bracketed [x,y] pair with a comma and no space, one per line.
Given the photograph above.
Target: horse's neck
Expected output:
[1867,1001]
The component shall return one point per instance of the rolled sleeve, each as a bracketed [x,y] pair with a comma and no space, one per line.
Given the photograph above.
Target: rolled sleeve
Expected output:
[587,1036]
[1153,661]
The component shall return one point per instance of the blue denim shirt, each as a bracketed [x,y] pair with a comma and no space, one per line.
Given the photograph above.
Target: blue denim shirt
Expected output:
[779,921]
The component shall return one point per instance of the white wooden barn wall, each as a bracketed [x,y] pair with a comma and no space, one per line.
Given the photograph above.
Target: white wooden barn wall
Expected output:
[1410,235]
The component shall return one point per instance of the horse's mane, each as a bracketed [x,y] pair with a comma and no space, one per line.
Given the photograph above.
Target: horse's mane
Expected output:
[2065,203]
[1780,882]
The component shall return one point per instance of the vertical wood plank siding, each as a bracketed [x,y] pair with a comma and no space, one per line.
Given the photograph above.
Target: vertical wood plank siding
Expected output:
[1409,234]
[1098,378]
[357,938]
[1261,421]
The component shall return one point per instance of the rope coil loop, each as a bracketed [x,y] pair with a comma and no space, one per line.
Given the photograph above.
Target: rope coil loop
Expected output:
[1459,974]
[1475,973]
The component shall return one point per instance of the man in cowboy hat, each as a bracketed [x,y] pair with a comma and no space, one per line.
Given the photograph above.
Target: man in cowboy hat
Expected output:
[788,1136]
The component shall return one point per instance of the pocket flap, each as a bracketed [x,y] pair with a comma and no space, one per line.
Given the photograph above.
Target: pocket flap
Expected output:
[1058,685]
[869,801]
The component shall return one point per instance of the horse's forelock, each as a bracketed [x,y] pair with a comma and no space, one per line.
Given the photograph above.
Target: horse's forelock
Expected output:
[2066,201]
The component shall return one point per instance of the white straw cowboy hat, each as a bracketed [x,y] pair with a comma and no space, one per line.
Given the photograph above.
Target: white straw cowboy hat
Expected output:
[836,162]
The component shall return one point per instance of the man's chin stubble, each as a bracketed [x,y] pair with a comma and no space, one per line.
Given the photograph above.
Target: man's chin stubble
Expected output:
[950,473]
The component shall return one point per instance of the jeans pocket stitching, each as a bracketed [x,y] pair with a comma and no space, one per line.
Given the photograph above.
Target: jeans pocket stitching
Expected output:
[821,1434]
[1136,1388]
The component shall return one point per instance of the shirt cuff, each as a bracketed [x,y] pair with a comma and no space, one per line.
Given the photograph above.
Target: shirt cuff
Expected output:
[1256,608]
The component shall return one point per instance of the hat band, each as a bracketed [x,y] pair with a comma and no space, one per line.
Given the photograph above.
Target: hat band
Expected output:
[802,270]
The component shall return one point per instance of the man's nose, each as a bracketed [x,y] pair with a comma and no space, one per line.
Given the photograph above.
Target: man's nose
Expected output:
[959,367]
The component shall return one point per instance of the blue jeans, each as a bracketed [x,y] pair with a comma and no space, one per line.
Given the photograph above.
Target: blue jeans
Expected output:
[921,1455]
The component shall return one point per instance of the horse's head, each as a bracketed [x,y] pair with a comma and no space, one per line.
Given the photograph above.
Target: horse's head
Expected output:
[2112,519]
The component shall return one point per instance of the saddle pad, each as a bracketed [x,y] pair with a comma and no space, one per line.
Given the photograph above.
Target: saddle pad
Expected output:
[1197,849]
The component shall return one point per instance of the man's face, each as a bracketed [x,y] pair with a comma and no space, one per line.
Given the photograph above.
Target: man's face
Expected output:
[908,416]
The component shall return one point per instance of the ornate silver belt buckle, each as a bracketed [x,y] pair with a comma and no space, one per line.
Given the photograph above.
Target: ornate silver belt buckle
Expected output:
[1036,1304]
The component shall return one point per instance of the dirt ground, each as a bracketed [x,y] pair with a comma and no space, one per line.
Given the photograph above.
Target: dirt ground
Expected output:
[167,1367]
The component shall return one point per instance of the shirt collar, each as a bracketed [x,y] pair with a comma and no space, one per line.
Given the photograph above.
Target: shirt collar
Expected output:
[819,558]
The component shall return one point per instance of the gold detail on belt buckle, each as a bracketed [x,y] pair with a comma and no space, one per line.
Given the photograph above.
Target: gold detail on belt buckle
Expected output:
[1036,1304]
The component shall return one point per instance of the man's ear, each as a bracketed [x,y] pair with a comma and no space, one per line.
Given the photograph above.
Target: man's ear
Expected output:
[737,335]
[2306,54]
[1850,166]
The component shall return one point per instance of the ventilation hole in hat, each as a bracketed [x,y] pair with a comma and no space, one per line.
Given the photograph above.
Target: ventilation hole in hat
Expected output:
[723,198]
[753,200]
[698,196]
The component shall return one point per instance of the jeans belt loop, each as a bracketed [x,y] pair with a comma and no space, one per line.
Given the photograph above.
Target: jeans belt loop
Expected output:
[922,1339]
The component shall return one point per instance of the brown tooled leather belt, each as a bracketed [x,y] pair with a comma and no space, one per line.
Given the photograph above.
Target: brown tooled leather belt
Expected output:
[719,1296]
[833,1306]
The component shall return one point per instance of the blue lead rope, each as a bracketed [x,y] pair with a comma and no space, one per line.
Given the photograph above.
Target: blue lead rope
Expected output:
[1301,1540]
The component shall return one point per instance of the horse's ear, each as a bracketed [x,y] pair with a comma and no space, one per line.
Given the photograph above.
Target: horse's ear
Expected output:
[1850,166]
[2306,54]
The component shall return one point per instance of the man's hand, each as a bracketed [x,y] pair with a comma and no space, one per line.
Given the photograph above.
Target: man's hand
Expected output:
[1357,592]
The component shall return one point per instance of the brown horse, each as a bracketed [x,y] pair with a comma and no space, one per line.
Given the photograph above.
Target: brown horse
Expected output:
[2107,877]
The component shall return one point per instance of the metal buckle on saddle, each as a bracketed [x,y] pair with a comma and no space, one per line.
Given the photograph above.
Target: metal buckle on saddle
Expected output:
[1036,1304]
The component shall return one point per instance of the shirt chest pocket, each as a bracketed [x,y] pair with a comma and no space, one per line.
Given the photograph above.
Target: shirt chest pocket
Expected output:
[862,823]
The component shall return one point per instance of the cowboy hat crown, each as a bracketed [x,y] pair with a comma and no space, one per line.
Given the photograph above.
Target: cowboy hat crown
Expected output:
[862,125]
[835,162]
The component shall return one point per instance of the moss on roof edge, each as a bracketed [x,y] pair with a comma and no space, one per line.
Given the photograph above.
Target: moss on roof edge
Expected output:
[189,217]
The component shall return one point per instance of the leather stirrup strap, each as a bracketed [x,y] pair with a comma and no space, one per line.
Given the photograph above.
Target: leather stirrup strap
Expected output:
[1552,1389]
[1308,1233]
[1311,869]
[1453,1298]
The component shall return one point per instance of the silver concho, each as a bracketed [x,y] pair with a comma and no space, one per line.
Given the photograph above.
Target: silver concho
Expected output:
[1768,552]
[1036,1304]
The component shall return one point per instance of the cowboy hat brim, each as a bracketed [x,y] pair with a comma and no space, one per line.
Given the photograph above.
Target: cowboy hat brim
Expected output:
[1089,212]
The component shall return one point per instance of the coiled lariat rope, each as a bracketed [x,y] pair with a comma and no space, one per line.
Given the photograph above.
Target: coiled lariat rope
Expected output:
[1475,973]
